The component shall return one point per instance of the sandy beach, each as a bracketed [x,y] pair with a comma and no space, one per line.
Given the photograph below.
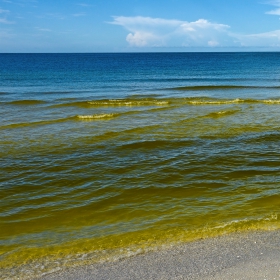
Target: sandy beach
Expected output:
[252,255]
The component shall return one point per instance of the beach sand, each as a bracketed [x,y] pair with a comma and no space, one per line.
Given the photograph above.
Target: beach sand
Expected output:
[250,255]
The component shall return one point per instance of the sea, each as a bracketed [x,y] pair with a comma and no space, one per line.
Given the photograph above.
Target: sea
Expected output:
[104,156]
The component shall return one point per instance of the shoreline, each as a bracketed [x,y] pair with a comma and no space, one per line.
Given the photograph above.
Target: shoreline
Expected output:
[249,255]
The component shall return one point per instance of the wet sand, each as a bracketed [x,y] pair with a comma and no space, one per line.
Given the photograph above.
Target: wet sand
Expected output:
[252,255]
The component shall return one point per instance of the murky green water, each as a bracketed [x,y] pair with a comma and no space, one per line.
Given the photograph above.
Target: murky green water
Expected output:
[87,179]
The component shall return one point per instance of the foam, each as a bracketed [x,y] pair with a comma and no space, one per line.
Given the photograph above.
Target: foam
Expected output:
[237,100]
[271,101]
[126,102]
[100,116]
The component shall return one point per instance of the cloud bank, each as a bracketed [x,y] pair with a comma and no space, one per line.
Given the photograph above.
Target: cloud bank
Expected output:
[152,32]
[147,31]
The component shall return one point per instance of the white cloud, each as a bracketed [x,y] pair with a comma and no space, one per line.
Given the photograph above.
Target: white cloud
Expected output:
[141,39]
[202,32]
[52,15]
[274,2]
[213,43]
[4,11]
[146,31]
[43,29]
[150,32]
[276,11]
[84,5]
[79,15]
[5,21]
[271,39]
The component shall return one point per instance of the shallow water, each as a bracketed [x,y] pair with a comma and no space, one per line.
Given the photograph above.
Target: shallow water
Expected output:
[107,155]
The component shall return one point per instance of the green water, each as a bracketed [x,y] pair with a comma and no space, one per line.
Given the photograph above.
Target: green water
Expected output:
[98,180]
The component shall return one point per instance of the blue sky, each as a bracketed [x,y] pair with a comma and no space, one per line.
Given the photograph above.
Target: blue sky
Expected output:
[139,25]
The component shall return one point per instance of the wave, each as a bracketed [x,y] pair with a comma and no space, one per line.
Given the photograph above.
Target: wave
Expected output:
[156,144]
[221,87]
[271,101]
[96,117]
[54,121]
[220,114]
[35,123]
[115,103]
[27,102]
[161,102]
[149,106]
[129,102]
[267,137]
[144,95]
[216,101]
[60,92]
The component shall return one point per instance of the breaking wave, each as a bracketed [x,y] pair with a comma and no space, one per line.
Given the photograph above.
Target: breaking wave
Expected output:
[96,117]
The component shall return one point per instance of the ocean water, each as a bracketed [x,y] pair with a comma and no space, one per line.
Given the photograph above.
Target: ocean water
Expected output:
[104,156]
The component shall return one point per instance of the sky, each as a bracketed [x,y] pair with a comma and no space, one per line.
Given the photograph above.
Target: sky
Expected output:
[139,25]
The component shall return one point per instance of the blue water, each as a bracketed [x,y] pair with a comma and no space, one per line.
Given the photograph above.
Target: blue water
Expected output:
[125,74]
